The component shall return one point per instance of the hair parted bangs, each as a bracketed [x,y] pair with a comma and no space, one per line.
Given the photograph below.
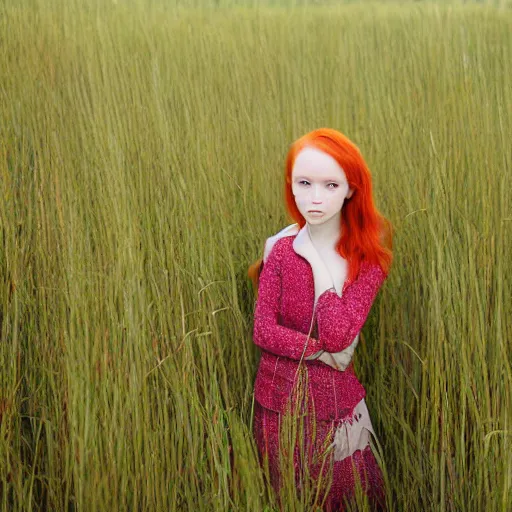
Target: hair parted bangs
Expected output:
[366,235]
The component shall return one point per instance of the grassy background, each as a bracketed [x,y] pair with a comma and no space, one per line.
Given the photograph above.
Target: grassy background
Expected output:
[141,161]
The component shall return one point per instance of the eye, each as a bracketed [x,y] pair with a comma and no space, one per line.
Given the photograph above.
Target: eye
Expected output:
[335,185]
[303,182]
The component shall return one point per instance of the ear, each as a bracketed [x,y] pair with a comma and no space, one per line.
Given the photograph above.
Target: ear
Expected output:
[350,193]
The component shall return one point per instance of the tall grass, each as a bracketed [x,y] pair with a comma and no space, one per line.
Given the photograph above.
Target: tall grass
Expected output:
[141,164]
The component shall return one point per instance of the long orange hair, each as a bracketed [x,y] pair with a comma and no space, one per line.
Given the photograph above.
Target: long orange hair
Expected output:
[366,235]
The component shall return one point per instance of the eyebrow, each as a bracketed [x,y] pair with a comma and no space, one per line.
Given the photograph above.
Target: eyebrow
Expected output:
[325,181]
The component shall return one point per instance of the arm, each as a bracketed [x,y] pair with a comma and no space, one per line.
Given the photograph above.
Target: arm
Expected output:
[268,334]
[340,360]
[341,318]
[256,268]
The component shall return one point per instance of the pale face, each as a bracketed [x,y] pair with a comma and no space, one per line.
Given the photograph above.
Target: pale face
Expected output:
[319,185]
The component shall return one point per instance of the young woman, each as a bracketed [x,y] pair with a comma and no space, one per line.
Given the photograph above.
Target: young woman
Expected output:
[316,284]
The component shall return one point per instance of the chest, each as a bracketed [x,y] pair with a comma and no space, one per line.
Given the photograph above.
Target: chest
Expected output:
[298,288]
[336,266]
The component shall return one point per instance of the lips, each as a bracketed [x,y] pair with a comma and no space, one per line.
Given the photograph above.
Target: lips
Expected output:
[314,211]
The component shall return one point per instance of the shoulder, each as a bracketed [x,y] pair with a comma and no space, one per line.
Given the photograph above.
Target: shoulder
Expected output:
[285,236]
[372,272]
[280,250]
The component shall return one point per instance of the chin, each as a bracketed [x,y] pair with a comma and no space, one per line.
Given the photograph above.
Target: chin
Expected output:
[316,220]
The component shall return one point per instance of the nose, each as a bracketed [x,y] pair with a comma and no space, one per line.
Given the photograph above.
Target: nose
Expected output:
[316,195]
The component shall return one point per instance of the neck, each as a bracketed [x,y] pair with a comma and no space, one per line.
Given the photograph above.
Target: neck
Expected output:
[327,234]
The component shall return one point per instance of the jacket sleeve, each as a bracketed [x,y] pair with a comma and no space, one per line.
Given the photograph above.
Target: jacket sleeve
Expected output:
[268,333]
[340,319]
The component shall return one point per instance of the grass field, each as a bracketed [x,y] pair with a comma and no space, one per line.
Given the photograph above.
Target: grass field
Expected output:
[142,147]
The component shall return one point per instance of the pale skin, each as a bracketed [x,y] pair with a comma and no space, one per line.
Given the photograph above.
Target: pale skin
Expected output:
[319,183]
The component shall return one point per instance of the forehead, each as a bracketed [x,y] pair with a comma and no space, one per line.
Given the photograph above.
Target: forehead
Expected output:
[314,163]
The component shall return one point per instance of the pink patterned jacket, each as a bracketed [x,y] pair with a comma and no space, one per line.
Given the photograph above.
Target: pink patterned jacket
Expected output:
[283,315]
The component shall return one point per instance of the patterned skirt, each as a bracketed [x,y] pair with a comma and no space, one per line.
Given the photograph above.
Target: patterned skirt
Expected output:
[337,454]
